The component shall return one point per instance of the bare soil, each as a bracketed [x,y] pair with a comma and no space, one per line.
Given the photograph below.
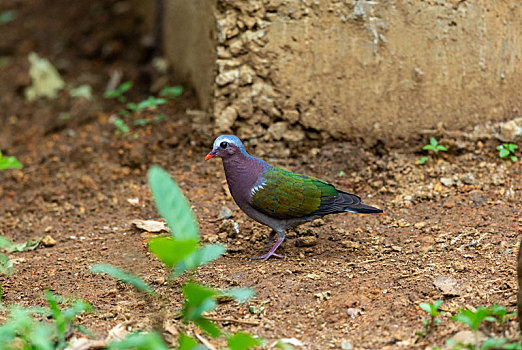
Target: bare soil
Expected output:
[359,285]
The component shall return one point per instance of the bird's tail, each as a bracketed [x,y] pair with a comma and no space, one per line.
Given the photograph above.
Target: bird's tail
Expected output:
[356,206]
[363,209]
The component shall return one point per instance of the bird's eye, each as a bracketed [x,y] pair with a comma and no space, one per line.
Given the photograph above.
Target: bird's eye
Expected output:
[223,144]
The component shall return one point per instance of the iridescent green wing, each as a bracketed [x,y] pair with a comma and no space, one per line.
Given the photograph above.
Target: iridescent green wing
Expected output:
[283,194]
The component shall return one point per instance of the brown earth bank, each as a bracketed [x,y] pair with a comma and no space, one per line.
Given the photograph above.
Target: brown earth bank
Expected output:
[357,285]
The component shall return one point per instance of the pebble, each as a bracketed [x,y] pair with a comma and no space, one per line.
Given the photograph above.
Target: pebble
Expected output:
[468,179]
[306,241]
[449,204]
[448,285]
[447,181]
[48,241]
[350,245]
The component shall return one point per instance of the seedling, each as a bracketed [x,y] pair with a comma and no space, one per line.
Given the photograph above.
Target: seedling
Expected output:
[171,91]
[507,150]
[257,310]
[500,314]
[22,331]
[433,146]
[152,103]
[182,253]
[119,91]
[474,319]
[9,163]
[433,312]
[121,127]
[7,16]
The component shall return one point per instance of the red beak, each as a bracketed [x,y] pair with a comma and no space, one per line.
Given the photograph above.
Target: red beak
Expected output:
[210,155]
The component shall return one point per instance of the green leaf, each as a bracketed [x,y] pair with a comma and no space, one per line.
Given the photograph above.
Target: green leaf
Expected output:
[242,341]
[9,163]
[171,91]
[433,141]
[492,343]
[198,299]
[41,337]
[514,158]
[7,16]
[197,294]
[6,266]
[23,247]
[200,257]
[504,153]
[426,307]
[472,319]
[187,343]
[151,102]
[441,148]
[170,251]
[499,147]
[140,341]
[427,147]
[241,295]
[172,205]
[423,160]
[512,147]
[5,243]
[123,276]
[208,326]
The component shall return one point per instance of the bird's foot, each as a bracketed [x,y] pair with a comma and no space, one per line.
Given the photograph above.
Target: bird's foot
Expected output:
[273,249]
[267,255]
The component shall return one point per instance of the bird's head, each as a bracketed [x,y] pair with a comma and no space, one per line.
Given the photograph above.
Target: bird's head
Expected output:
[226,146]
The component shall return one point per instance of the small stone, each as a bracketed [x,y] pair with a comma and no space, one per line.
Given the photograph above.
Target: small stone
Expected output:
[511,131]
[446,181]
[304,231]
[246,75]
[306,241]
[458,266]
[420,225]
[48,241]
[150,225]
[230,227]
[225,213]
[277,130]
[318,223]
[467,337]
[468,179]
[226,78]
[448,285]
[350,245]
[449,204]
[291,115]
[160,280]
[294,135]
[226,118]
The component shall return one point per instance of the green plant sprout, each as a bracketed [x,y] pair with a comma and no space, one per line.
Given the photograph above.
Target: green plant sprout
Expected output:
[433,311]
[182,253]
[9,163]
[119,91]
[22,331]
[121,127]
[433,146]
[171,91]
[7,16]
[152,103]
[507,150]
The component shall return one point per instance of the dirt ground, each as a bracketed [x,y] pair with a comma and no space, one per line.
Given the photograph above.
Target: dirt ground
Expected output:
[358,286]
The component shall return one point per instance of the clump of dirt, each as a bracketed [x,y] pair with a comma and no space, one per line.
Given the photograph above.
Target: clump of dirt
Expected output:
[359,282]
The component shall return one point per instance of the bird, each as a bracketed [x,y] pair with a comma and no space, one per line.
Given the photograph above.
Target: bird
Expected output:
[278,198]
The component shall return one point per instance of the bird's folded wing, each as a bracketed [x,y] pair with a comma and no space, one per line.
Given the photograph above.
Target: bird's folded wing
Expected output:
[285,195]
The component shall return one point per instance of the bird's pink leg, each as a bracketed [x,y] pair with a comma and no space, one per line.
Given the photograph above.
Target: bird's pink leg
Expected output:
[272,250]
